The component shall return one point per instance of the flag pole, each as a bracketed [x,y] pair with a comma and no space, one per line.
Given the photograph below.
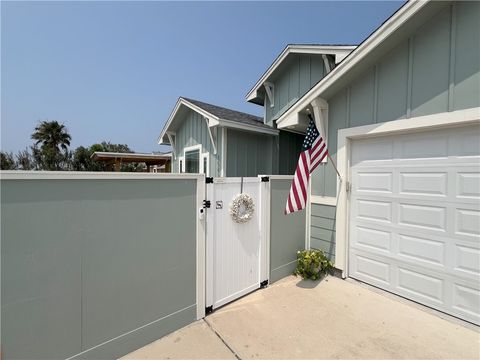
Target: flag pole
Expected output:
[334,166]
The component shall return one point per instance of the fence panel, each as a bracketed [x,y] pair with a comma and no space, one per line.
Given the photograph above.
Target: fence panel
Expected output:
[287,232]
[95,267]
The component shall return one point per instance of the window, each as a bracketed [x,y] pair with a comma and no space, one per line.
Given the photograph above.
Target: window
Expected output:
[192,161]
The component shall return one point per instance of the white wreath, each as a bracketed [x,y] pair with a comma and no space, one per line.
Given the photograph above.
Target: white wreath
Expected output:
[242,208]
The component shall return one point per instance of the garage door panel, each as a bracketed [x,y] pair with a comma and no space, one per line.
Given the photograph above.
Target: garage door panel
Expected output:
[423,216]
[466,300]
[421,285]
[465,143]
[370,269]
[372,238]
[424,183]
[420,249]
[372,150]
[468,185]
[423,146]
[467,222]
[374,210]
[374,182]
[415,217]
[467,261]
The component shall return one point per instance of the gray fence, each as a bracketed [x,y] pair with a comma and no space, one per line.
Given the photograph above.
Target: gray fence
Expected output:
[95,266]
[287,232]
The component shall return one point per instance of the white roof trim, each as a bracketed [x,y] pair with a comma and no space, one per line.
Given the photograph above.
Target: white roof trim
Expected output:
[212,121]
[242,126]
[182,101]
[384,31]
[340,52]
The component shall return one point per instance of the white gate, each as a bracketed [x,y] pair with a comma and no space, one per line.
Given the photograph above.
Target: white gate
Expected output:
[236,253]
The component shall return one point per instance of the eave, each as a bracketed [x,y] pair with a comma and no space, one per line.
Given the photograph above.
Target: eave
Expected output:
[339,51]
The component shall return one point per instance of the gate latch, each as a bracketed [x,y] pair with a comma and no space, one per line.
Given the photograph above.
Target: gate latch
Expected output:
[206,204]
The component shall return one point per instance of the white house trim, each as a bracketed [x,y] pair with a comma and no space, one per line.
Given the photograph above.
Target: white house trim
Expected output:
[201,246]
[248,127]
[323,200]
[270,88]
[182,101]
[345,136]
[212,121]
[211,136]
[170,136]
[205,156]
[357,55]
[339,51]
[326,63]
[181,164]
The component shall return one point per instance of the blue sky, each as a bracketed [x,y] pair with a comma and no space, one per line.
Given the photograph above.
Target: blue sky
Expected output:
[114,70]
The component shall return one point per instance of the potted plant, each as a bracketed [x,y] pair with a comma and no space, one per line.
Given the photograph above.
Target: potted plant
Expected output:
[312,264]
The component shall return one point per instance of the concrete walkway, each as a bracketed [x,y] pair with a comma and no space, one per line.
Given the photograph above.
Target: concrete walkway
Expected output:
[333,319]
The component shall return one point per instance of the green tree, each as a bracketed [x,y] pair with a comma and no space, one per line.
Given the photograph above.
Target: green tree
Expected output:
[54,140]
[25,160]
[7,161]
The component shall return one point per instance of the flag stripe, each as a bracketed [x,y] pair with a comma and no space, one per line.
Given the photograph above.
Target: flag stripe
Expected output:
[313,152]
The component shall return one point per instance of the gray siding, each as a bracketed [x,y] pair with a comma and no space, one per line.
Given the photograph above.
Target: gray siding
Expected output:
[287,233]
[435,69]
[322,229]
[294,78]
[290,146]
[249,153]
[194,131]
[93,265]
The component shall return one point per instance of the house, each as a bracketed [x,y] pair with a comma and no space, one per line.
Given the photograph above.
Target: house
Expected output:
[220,142]
[155,162]
[401,114]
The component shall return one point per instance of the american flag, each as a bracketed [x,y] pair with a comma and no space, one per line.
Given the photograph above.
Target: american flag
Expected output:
[313,152]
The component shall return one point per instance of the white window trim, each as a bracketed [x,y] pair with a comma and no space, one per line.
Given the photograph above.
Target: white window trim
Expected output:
[205,155]
[181,164]
[396,127]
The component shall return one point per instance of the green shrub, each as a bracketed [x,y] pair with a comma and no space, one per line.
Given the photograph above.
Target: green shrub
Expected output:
[312,264]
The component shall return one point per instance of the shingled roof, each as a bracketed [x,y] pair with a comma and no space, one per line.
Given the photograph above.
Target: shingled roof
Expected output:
[228,114]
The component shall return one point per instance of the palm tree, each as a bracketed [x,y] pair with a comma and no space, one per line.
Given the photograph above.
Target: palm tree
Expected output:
[52,137]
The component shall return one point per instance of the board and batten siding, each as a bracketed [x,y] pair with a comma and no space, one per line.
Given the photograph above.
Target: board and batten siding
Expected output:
[295,77]
[194,131]
[249,153]
[322,229]
[436,69]
[290,146]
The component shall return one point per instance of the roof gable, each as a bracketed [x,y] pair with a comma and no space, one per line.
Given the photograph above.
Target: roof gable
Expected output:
[339,52]
[214,116]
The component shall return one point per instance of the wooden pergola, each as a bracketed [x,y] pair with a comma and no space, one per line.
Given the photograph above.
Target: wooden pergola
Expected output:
[115,160]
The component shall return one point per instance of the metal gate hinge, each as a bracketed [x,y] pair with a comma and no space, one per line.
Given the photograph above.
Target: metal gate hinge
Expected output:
[209,180]
[206,204]
[264,283]
[265,178]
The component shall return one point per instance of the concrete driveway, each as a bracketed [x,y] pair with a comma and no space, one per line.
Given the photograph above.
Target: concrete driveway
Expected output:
[332,319]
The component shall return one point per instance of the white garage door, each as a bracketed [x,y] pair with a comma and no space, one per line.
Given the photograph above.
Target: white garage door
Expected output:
[415,217]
